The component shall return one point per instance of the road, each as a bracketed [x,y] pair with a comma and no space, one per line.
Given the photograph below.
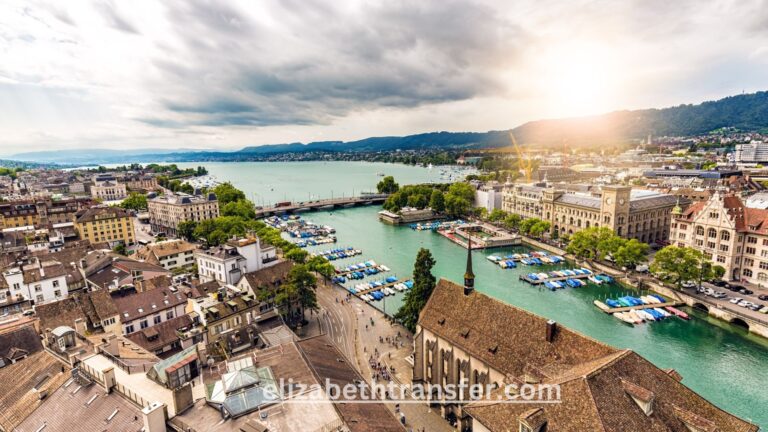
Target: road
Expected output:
[355,327]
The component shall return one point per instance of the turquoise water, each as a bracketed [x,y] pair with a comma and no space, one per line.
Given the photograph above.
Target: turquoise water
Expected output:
[719,361]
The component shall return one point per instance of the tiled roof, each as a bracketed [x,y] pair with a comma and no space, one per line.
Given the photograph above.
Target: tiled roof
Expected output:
[590,374]
[95,213]
[268,277]
[20,342]
[164,249]
[161,335]
[580,200]
[135,306]
[91,307]
[649,202]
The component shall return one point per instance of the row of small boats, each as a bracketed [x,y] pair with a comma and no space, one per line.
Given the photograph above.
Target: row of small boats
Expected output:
[648,308]
[387,291]
[316,241]
[573,283]
[628,301]
[339,253]
[572,273]
[534,258]
[362,287]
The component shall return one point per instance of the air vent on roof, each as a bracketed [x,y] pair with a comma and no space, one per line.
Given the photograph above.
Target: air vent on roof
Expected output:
[493,349]
[441,321]
[465,333]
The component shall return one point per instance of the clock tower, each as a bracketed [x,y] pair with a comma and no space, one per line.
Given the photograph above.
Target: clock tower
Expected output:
[614,208]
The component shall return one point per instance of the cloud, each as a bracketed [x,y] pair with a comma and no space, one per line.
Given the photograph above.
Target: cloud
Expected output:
[108,10]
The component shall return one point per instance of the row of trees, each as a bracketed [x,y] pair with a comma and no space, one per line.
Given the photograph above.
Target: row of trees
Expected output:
[455,200]
[599,243]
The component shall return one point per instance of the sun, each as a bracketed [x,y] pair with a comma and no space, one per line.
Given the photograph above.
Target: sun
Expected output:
[577,78]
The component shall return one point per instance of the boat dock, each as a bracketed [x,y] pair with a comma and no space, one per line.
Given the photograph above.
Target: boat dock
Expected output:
[552,279]
[610,310]
[378,288]
[380,268]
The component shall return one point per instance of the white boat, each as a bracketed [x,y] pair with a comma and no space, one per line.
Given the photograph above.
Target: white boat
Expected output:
[594,280]
[645,315]
[390,291]
[384,268]
[621,317]
[493,258]
[663,312]
[633,314]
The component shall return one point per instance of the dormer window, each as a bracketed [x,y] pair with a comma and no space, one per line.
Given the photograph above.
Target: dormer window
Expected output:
[643,397]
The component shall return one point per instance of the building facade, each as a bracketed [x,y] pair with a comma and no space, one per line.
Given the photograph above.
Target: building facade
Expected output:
[167,211]
[228,263]
[644,215]
[108,190]
[111,225]
[733,235]
[169,254]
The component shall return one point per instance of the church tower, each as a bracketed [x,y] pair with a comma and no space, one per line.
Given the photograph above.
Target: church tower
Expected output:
[469,276]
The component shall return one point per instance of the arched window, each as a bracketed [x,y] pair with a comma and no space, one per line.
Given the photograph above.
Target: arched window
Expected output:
[699,230]
[712,233]
[725,235]
[747,272]
[762,276]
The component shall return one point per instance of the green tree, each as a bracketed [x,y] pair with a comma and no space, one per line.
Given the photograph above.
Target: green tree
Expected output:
[512,221]
[186,230]
[527,224]
[594,243]
[135,201]
[718,272]
[120,249]
[497,215]
[242,208]
[462,190]
[457,206]
[298,294]
[227,193]
[539,228]
[437,201]
[297,255]
[322,266]
[631,253]
[387,185]
[423,285]
[678,264]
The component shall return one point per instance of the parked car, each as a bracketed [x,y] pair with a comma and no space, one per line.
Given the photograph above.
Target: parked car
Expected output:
[709,291]
[735,300]
[746,291]
[719,295]
[736,288]
[763,297]
[756,307]
[689,284]
[720,283]
[764,310]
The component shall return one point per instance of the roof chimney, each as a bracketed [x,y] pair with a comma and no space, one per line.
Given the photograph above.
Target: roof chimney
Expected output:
[551,328]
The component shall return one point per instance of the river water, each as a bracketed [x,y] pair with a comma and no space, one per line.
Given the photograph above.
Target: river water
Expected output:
[721,362]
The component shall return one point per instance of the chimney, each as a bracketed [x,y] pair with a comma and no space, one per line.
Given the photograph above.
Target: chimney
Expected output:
[154,417]
[551,328]
[80,326]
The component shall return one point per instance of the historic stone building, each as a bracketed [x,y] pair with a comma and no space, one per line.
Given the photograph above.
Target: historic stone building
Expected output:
[166,212]
[732,234]
[464,338]
[644,215]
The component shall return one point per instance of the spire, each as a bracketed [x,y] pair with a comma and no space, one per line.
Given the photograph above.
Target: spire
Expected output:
[469,276]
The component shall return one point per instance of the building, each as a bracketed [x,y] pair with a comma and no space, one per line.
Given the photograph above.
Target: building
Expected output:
[489,196]
[169,254]
[167,211]
[38,281]
[112,225]
[229,262]
[108,189]
[695,173]
[44,212]
[94,311]
[466,338]
[141,183]
[733,235]
[756,152]
[165,338]
[142,310]
[640,214]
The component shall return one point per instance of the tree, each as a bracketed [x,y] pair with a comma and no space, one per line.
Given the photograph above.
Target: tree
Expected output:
[437,201]
[497,215]
[120,249]
[679,264]
[423,285]
[718,272]
[227,193]
[135,201]
[539,228]
[631,253]
[457,206]
[462,190]
[527,224]
[298,293]
[512,221]
[594,243]
[242,208]
[387,185]
[322,266]
[186,230]
[297,255]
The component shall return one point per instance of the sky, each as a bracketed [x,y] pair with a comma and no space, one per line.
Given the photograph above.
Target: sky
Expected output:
[228,74]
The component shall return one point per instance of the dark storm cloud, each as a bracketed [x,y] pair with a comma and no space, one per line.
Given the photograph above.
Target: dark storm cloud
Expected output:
[314,61]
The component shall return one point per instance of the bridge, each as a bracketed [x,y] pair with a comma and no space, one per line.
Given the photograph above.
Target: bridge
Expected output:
[322,204]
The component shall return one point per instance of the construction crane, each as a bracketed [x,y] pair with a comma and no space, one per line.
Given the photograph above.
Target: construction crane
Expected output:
[524,163]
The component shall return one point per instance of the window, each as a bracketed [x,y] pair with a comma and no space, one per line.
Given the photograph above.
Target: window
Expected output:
[749,262]
[158,319]
[129,329]
[57,293]
[764,265]
[762,276]
[749,250]
[699,230]
[751,240]
[747,272]
[699,242]
[723,248]
[38,288]
[725,235]
[55,284]
[713,215]
[143,324]
[16,286]
[710,245]
[169,314]
[39,299]
[720,259]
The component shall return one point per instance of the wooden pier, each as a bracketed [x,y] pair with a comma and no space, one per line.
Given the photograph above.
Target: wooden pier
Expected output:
[553,279]
[345,273]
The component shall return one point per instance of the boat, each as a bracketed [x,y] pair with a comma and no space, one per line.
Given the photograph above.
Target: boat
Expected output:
[549,285]
[493,258]
[645,315]
[633,315]
[594,280]
[557,284]
[678,313]
[659,298]
[612,303]
[623,318]
[601,305]
[663,312]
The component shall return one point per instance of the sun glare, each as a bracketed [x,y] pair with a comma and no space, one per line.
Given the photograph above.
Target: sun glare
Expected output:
[578,79]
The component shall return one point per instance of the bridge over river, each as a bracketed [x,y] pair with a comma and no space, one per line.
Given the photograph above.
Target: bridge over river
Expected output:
[322,204]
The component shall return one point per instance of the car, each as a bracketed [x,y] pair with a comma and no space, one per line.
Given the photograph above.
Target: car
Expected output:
[763,297]
[700,290]
[746,291]
[720,283]
[735,300]
[689,284]
[719,295]
[756,307]
[764,310]
[28,312]
[734,288]
[743,303]
[709,291]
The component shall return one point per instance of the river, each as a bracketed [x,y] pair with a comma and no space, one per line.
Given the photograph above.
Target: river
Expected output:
[721,362]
